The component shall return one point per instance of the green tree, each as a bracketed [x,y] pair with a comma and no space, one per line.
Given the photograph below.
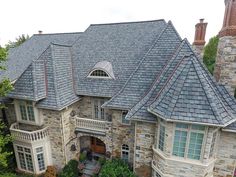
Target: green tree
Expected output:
[3,54]
[18,41]
[210,52]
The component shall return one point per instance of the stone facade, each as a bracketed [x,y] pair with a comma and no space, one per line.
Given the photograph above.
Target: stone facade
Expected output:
[226,155]
[144,140]
[225,67]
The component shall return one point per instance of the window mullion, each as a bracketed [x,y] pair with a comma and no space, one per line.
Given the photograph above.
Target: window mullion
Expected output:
[188,140]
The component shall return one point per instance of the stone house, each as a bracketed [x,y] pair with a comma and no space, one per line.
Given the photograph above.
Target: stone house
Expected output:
[133,90]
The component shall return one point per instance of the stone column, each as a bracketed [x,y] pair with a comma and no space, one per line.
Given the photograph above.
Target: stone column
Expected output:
[226,55]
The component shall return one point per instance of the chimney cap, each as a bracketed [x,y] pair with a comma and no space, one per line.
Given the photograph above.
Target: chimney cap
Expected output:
[201,20]
[40,31]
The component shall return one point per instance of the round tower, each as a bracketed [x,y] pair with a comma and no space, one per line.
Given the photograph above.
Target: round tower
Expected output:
[225,68]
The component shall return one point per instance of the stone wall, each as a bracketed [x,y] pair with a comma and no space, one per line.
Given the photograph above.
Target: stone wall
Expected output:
[226,155]
[144,140]
[225,67]
[10,113]
[122,134]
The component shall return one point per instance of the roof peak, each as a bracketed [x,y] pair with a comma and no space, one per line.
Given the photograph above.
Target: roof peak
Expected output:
[119,23]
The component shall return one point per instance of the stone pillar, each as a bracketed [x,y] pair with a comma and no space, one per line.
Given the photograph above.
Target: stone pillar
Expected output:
[199,40]
[226,55]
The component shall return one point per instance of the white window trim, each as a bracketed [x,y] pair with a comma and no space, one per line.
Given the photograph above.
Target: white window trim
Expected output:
[121,116]
[215,145]
[36,158]
[187,142]
[18,159]
[99,109]
[99,77]
[123,150]
[158,136]
[18,113]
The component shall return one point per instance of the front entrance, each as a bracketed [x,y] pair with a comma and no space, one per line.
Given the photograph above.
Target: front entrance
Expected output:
[97,146]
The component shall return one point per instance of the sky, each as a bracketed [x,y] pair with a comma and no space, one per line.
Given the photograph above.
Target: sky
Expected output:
[57,16]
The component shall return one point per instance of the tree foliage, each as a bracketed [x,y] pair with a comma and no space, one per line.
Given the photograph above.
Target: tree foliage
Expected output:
[116,168]
[18,41]
[210,52]
[4,140]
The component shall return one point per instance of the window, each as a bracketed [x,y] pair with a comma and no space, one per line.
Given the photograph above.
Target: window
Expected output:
[99,112]
[40,158]
[213,142]
[124,121]
[161,138]
[157,175]
[25,158]
[188,141]
[99,73]
[27,111]
[125,153]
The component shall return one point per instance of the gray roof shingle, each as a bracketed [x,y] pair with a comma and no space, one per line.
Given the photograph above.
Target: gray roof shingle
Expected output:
[121,44]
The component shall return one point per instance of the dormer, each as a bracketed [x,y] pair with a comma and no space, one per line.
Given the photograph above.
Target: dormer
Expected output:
[102,70]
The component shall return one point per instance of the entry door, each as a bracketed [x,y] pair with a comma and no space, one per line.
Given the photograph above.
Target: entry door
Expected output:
[97,146]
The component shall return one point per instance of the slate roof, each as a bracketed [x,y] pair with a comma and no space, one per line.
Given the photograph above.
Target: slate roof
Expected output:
[154,73]
[21,57]
[121,44]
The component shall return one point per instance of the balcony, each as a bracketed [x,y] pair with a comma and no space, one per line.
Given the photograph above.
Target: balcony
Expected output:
[28,134]
[92,126]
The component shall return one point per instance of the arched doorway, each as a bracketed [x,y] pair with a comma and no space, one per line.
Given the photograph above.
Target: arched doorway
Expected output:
[98,146]
[94,144]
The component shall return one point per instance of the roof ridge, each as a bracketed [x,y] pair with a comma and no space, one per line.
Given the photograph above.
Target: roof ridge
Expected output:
[139,64]
[158,77]
[44,34]
[64,45]
[119,23]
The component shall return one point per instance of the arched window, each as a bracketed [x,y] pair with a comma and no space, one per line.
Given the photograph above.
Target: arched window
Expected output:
[125,153]
[99,73]
[102,69]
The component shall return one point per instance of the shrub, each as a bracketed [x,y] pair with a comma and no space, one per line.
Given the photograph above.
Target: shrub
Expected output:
[116,168]
[102,160]
[7,175]
[70,170]
[50,172]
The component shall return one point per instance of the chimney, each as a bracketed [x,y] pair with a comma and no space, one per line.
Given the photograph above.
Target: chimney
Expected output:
[229,24]
[199,39]
[40,32]
[200,33]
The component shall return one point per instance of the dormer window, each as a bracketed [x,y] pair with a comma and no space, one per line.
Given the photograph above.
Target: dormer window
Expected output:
[26,112]
[99,73]
[102,69]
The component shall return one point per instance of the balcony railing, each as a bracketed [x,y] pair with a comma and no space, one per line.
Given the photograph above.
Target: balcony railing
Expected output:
[91,124]
[28,136]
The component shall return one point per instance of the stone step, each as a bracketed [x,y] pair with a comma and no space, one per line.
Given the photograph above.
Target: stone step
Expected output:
[88,172]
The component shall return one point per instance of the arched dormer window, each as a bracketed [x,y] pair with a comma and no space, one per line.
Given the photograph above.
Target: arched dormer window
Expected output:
[99,73]
[102,69]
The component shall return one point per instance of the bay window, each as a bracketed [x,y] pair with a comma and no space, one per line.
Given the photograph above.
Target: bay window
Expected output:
[188,141]
[161,137]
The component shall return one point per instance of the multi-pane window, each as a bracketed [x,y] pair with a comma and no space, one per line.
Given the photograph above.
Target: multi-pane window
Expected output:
[125,152]
[124,121]
[213,142]
[157,175]
[40,158]
[188,141]
[27,111]
[25,158]
[99,73]
[161,138]
[99,112]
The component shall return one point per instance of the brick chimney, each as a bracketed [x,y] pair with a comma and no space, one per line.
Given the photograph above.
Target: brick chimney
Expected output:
[199,39]
[229,24]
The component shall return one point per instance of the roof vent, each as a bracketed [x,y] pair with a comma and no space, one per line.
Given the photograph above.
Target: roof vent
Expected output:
[40,32]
